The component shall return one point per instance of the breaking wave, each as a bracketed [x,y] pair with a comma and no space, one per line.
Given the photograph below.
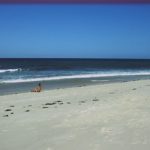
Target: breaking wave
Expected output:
[78,76]
[9,70]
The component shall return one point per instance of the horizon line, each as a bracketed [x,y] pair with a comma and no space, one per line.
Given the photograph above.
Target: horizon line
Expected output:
[75,58]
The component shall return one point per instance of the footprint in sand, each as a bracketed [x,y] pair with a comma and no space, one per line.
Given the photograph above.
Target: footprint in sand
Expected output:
[112,93]
[44,107]
[95,99]
[60,103]
[81,101]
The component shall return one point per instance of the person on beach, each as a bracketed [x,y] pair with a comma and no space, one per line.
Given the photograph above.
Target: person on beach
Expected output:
[38,88]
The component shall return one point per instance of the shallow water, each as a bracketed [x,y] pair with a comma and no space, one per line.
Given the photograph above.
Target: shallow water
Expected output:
[13,88]
[21,75]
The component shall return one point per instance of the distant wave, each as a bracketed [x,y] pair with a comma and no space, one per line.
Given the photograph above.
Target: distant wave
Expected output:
[80,76]
[9,70]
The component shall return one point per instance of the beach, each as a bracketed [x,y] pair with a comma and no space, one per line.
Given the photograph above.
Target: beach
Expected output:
[89,117]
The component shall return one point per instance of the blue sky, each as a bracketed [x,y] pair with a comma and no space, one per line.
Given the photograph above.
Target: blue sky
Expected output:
[76,31]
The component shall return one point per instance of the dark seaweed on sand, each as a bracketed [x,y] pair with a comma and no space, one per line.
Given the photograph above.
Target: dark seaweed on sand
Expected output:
[53,103]
[8,110]
[27,110]
[5,116]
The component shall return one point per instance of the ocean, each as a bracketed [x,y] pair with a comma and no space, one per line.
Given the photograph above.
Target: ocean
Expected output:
[21,75]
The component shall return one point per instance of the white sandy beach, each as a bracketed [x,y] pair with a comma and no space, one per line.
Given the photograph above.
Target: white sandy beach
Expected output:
[112,116]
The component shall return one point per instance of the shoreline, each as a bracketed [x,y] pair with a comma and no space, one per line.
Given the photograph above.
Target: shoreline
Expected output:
[16,88]
[105,116]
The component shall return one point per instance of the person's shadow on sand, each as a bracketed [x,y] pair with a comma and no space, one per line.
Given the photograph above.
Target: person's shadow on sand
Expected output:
[37,89]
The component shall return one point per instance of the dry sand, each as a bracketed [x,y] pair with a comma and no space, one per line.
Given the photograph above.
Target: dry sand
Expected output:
[96,117]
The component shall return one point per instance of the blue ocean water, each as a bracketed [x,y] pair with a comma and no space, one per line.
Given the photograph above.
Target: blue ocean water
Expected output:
[29,70]
[20,74]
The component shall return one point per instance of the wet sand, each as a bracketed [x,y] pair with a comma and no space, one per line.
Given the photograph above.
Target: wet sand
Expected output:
[94,117]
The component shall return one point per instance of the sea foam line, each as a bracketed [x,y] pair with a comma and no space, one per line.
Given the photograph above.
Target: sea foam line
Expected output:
[81,76]
[9,70]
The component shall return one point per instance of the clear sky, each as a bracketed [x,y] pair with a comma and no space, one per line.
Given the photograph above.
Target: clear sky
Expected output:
[76,31]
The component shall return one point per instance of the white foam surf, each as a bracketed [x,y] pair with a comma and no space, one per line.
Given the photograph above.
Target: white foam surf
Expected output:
[9,70]
[80,76]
